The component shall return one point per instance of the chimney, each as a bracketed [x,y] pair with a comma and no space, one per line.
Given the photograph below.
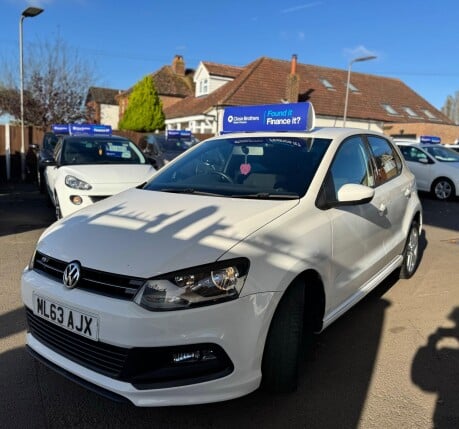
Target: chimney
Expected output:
[293,82]
[178,65]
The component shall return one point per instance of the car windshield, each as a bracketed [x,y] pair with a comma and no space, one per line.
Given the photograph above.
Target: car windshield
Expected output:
[50,142]
[442,154]
[88,150]
[248,167]
[174,144]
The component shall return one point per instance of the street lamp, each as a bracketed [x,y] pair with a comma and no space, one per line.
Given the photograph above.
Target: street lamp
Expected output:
[30,12]
[355,60]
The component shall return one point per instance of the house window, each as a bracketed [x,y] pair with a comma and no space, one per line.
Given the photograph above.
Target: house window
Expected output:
[411,112]
[327,84]
[203,87]
[352,88]
[429,114]
[389,109]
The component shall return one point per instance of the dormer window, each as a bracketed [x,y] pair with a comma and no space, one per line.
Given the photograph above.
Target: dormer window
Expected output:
[429,114]
[389,109]
[327,84]
[352,88]
[203,87]
[411,112]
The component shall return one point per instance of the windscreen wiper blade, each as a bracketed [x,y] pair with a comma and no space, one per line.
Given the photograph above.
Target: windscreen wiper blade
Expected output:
[190,191]
[268,196]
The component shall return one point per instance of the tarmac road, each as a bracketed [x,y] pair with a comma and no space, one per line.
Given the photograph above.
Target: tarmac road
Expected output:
[391,362]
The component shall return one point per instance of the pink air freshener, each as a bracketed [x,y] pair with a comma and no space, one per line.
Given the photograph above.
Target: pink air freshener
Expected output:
[245,169]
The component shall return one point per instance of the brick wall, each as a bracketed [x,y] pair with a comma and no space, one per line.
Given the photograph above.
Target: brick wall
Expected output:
[447,133]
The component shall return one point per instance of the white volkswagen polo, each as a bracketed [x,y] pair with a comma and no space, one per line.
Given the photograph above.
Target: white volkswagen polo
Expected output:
[202,285]
[89,167]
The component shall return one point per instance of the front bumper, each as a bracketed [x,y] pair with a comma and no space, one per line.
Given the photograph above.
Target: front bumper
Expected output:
[68,207]
[238,328]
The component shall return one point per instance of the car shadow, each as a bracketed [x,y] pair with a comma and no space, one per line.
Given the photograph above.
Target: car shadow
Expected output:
[433,368]
[23,208]
[442,214]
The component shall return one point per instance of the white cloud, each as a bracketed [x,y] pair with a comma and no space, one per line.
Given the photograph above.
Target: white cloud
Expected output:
[303,6]
[359,51]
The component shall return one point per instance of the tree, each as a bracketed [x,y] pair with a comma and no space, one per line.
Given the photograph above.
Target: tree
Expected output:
[144,112]
[451,107]
[56,82]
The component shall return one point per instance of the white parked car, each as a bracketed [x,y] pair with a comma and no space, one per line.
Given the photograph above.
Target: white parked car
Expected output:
[203,284]
[89,168]
[436,167]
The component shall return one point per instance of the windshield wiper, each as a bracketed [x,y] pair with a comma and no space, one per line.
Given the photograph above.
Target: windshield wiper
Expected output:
[190,191]
[267,196]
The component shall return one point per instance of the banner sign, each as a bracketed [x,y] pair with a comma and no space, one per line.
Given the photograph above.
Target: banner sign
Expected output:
[178,134]
[271,117]
[60,128]
[430,139]
[82,129]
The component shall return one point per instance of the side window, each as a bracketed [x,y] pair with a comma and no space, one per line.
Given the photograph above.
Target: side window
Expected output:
[352,164]
[388,163]
[407,152]
[418,155]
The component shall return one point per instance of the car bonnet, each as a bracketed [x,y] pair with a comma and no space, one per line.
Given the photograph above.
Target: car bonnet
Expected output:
[95,174]
[145,233]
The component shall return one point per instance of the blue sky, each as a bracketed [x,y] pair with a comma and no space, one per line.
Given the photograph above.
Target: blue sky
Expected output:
[414,41]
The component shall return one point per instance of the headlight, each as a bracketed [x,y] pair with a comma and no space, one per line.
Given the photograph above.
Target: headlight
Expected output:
[203,285]
[73,182]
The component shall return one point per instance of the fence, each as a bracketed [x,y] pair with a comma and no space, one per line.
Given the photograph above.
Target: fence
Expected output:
[10,149]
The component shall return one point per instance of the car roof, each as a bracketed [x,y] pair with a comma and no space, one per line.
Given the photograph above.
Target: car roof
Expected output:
[418,144]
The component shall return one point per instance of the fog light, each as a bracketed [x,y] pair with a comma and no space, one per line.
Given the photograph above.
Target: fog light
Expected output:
[194,356]
[76,199]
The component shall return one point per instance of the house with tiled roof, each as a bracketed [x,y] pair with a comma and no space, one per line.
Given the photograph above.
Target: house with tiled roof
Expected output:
[103,106]
[173,83]
[211,76]
[374,102]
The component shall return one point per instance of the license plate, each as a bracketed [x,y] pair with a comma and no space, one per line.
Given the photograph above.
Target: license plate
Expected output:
[73,320]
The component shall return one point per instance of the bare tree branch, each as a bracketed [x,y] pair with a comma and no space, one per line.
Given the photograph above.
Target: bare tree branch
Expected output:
[56,82]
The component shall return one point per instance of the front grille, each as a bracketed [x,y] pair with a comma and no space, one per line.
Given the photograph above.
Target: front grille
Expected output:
[100,282]
[143,367]
[103,358]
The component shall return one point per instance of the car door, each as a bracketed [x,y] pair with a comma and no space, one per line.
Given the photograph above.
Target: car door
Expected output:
[358,231]
[394,190]
[420,164]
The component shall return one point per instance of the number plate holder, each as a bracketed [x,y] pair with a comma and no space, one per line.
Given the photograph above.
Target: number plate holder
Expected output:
[71,319]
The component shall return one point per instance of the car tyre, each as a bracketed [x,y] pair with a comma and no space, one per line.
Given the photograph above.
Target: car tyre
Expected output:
[410,252]
[443,189]
[284,342]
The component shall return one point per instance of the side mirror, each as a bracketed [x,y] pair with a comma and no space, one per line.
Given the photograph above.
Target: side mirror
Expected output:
[354,194]
[423,160]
